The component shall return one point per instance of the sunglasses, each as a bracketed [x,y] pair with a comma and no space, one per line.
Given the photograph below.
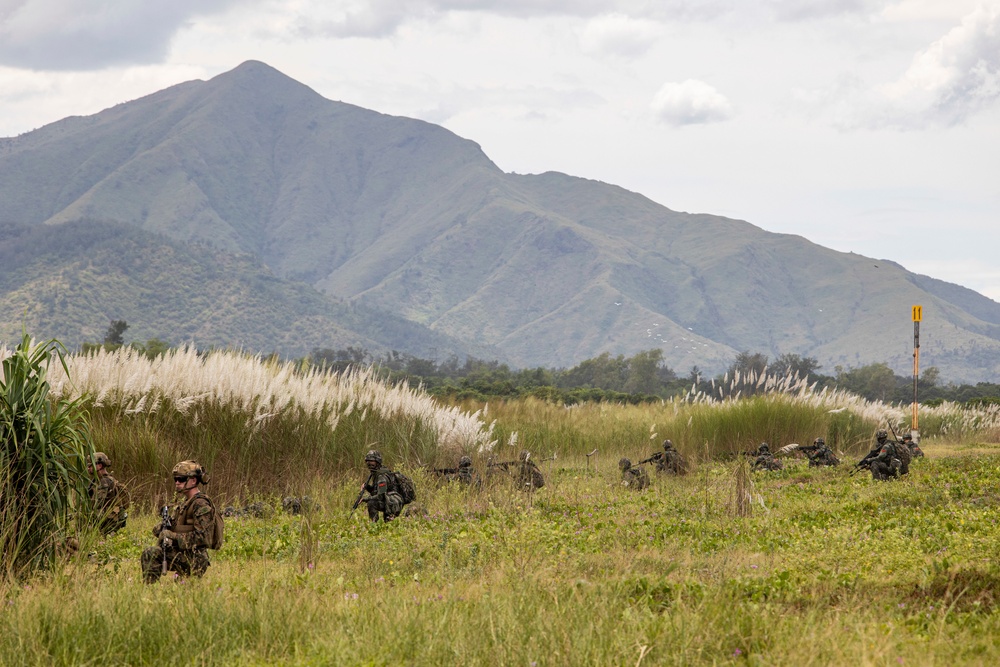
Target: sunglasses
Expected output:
[181,479]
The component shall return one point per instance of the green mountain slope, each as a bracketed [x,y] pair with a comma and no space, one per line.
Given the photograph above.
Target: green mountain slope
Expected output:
[70,281]
[401,216]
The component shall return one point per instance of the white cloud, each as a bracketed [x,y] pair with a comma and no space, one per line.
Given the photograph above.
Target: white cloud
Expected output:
[690,103]
[91,34]
[958,74]
[618,34]
[803,10]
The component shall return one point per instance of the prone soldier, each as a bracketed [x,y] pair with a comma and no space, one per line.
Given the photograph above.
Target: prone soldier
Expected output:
[821,455]
[765,460]
[526,474]
[633,477]
[463,473]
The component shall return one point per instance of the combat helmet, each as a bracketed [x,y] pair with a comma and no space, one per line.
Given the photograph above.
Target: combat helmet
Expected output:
[524,456]
[374,455]
[763,448]
[101,459]
[881,435]
[465,462]
[190,469]
[819,441]
[667,445]
[624,464]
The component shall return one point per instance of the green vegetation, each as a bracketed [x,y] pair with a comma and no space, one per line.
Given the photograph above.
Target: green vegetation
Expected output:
[802,566]
[44,450]
[827,569]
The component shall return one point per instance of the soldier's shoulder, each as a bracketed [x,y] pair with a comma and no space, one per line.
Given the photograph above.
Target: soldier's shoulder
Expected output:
[202,504]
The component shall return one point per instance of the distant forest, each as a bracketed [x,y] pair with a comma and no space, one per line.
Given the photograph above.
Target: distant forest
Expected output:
[643,377]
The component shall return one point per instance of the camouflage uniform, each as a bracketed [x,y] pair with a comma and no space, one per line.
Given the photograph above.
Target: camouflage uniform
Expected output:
[633,478]
[384,497]
[528,476]
[670,460]
[822,455]
[765,460]
[465,474]
[187,542]
[915,451]
[892,460]
[108,498]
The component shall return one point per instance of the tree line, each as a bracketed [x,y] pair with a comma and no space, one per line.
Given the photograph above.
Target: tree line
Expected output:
[642,377]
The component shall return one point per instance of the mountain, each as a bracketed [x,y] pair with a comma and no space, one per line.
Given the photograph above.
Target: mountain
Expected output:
[69,281]
[395,215]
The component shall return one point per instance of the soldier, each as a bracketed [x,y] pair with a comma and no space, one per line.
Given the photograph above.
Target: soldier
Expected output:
[529,477]
[892,459]
[463,473]
[915,451]
[384,497]
[526,474]
[668,461]
[671,462]
[194,527]
[108,496]
[821,455]
[633,478]
[765,459]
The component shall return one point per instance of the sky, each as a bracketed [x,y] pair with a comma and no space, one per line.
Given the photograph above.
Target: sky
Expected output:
[866,126]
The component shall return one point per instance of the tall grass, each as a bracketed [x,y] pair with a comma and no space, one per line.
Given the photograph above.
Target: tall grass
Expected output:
[828,570]
[44,450]
[259,426]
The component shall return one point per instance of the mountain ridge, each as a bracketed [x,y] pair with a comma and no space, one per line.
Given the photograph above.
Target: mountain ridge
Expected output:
[401,216]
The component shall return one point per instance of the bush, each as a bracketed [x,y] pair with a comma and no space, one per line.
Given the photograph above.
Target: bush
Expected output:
[43,460]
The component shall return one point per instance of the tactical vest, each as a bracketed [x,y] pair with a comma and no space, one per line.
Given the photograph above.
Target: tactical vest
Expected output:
[185,522]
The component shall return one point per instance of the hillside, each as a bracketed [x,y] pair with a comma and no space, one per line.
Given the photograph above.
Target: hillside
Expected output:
[400,216]
[69,281]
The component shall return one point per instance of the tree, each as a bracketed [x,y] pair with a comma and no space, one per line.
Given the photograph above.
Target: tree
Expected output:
[113,336]
[874,381]
[644,372]
[793,364]
[43,461]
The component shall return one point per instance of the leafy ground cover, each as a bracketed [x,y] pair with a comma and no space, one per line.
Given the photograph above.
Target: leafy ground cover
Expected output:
[829,569]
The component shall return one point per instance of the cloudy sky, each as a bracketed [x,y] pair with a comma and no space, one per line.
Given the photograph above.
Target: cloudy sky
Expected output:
[870,126]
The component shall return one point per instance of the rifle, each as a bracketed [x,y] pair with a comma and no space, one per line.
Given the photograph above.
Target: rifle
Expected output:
[357,501]
[865,463]
[165,524]
[894,436]
[655,457]
[444,471]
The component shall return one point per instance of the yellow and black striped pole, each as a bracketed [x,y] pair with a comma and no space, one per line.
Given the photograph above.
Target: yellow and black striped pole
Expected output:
[917,316]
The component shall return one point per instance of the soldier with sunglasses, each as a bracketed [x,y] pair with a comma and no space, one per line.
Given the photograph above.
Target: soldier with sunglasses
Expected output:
[189,531]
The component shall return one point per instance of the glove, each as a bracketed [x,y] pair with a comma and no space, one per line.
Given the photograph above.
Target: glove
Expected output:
[168,535]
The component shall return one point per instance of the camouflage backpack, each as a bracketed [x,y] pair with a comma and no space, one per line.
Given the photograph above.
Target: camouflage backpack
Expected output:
[405,488]
[217,538]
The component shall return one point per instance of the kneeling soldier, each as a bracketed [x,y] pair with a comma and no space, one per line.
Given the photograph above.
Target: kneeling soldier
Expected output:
[108,497]
[186,534]
[384,497]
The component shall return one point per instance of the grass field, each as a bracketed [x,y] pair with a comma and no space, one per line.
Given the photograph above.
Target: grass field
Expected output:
[825,569]
[828,570]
